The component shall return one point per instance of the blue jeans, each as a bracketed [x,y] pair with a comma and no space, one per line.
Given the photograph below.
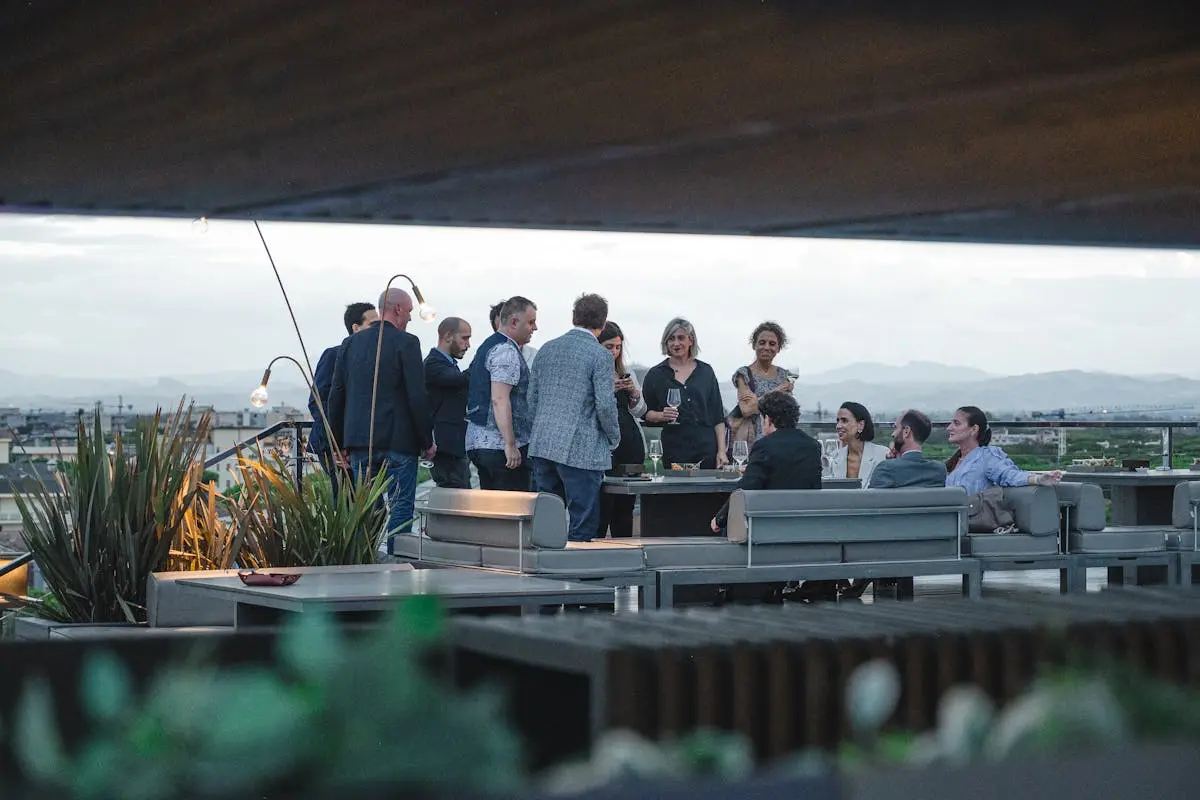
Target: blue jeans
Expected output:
[578,488]
[401,470]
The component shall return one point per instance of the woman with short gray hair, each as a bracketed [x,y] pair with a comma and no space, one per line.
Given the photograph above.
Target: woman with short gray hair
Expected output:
[684,399]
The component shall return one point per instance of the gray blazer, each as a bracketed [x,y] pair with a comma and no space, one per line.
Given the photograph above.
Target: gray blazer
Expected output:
[909,470]
[572,402]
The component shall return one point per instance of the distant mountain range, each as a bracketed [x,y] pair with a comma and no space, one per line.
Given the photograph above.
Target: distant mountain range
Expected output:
[883,388]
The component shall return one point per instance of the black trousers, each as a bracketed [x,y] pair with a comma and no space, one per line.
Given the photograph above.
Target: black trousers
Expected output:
[450,471]
[494,475]
[616,515]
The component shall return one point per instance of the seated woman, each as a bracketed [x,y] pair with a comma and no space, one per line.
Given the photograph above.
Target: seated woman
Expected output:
[616,510]
[858,455]
[975,466]
[784,458]
[757,380]
[699,436]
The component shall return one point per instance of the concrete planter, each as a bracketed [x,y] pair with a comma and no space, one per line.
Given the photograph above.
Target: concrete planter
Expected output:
[35,629]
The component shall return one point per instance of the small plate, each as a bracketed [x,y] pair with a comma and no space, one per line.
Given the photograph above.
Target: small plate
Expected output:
[253,578]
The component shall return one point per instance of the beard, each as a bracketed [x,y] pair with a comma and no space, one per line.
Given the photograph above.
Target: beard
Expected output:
[897,444]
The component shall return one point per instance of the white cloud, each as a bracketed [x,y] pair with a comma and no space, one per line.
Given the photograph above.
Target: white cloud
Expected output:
[145,297]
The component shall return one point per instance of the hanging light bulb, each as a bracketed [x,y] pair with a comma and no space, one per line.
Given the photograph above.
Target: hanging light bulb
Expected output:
[259,397]
[425,311]
[200,225]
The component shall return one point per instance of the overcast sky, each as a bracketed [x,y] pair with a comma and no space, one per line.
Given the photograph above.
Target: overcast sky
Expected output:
[122,297]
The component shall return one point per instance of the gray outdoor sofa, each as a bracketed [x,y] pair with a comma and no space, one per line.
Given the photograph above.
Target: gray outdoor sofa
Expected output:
[1035,544]
[782,535]
[1184,539]
[521,532]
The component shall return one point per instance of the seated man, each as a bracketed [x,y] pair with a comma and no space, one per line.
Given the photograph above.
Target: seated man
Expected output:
[783,458]
[908,469]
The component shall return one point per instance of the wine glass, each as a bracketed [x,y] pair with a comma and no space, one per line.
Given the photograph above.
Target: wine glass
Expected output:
[741,452]
[425,462]
[655,453]
[829,448]
[673,401]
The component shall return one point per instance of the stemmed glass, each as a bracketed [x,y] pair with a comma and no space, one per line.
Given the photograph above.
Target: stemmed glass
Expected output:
[673,400]
[655,453]
[741,452]
[829,448]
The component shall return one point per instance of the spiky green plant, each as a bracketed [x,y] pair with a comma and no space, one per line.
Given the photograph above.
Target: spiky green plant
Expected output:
[111,520]
[308,525]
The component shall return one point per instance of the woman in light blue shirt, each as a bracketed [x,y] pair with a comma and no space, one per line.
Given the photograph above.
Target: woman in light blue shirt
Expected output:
[976,465]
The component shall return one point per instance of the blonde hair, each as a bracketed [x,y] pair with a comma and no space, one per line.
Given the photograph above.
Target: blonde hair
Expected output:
[688,328]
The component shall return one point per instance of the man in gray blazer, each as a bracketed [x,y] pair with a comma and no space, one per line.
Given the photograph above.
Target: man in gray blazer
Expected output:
[910,467]
[574,411]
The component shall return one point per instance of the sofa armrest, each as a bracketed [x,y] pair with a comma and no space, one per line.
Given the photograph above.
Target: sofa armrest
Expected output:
[1187,498]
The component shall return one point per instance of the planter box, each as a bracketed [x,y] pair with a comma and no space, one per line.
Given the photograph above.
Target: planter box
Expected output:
[36,629]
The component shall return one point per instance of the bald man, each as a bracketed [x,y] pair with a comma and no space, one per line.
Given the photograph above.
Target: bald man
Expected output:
[446,386]
[402,430]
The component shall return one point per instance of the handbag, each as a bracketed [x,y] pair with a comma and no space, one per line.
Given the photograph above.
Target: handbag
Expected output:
[989,513]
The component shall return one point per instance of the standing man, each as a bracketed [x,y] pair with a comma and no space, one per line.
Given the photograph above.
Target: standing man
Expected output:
[402,430]
[527,351]
[446,387]
[575,426]
[910,468]
[357,317]
[498,415]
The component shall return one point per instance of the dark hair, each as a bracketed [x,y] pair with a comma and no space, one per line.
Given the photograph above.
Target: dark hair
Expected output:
[860,414]
[611,331]
[494,315]
[781,407]
[773,327]
[354,315]
[449,325]
[513,306]
[590,311]
[918,423]
[975,417]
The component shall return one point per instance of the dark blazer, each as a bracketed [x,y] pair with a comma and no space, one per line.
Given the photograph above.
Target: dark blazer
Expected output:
[906,471]
[401,410]
[786,459]
[322,382]
[446,388]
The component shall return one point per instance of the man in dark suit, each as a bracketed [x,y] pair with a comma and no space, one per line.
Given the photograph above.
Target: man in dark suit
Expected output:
[783,458]
[357,317]
[402,432]
[446,387]
[910,467]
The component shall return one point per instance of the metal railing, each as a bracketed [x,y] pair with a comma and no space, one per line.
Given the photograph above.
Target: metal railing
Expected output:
[297,455]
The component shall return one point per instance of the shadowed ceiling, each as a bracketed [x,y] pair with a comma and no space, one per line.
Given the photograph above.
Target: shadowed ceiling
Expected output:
[1061,122]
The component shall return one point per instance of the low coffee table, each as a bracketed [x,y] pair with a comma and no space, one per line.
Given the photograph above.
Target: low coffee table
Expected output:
[359,595]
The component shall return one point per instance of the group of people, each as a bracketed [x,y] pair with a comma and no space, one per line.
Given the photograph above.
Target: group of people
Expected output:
[560,418]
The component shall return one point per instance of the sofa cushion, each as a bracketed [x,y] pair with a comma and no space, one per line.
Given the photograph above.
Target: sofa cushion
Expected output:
[492,518]
[578,558]
[1035,509]
[407,545]
[1133,539]
[1187,496]
[1009,545]
[850,515]
[1088,508]
[714,551]
[912,550]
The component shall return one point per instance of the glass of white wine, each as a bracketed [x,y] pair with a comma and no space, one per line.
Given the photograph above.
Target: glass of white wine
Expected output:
[741,452]
[673,401]
[655,454]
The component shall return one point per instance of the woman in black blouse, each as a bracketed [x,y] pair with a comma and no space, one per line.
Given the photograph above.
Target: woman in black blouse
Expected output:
[699,435]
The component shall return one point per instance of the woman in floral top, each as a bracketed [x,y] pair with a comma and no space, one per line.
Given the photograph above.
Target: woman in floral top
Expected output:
[760,378]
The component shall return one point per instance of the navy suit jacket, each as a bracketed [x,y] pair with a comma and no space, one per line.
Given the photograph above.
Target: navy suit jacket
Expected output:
[446,386]
[401,410]
[322,382]
[786,459]
[909,470]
